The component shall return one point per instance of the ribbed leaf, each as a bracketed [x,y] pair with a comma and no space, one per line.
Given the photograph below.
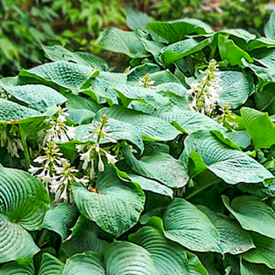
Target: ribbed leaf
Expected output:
[234,239]
[38,97]
[151,185]
[126,258]
[255,269]
[185,224]
[84,264]
[119,41]
[142,94]
[177,30]
[64,74]
[61,219]
[11,111]
[117,206]
[164,77]
[118,131]
[240,33]
[264,253]
[260,127]
[151,128]
[102,86]
[23,203]
[159,166]
[84,237]
[168,257]
[269,29]
[252,214]
[58,53]
[136,20]
[233,166]
[81,109]
[50,265]
[15,242]
[183,48]
[230,52]
[236,88]
[189,121]
[240,138]
[16,269]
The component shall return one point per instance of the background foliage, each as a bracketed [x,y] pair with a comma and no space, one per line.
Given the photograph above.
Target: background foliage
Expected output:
[24,25]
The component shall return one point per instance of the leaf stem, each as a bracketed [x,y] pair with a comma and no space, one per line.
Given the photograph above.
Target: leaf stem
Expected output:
[25,146]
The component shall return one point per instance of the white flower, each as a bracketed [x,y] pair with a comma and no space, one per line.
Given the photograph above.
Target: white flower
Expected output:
[34,170]
[92,170]
[110,158]
[86,157]
[100,164]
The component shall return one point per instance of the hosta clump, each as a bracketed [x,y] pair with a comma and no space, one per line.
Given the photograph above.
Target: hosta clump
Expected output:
[167,168]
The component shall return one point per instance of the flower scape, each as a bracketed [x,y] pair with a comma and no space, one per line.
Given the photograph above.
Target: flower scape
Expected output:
[166,168]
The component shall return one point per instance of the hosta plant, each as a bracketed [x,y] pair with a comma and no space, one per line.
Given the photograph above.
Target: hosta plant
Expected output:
[165,168]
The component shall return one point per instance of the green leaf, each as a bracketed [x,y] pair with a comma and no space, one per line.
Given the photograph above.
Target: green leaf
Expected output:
[189,121]
[252,214]
[234,239]
[136,20]
[85,237]
[230,52]
[81,109]
[233,166]
[23,203]
[84,264]
[11,111]
[102,87]
[269,28]
[152,128]
[241,138]
[159,166]
[17,269]
[178,50]
[264,253]
[236,88]
[253,269]
[142,94]
[167,256]
[61,219]
[177,30]
[38,97]
[164,77]
[116,208]
[151,185]
[119,41]
[58,53]
[185,224]
[68,75]
[259,126]
[50,265]
[240,33]
[118,130]
[126,258]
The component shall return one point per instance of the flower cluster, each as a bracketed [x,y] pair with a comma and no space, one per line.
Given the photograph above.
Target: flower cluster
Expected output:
[55,171]
[10,139]
[56,128]
[91,153]
[146,81]
[204,95]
